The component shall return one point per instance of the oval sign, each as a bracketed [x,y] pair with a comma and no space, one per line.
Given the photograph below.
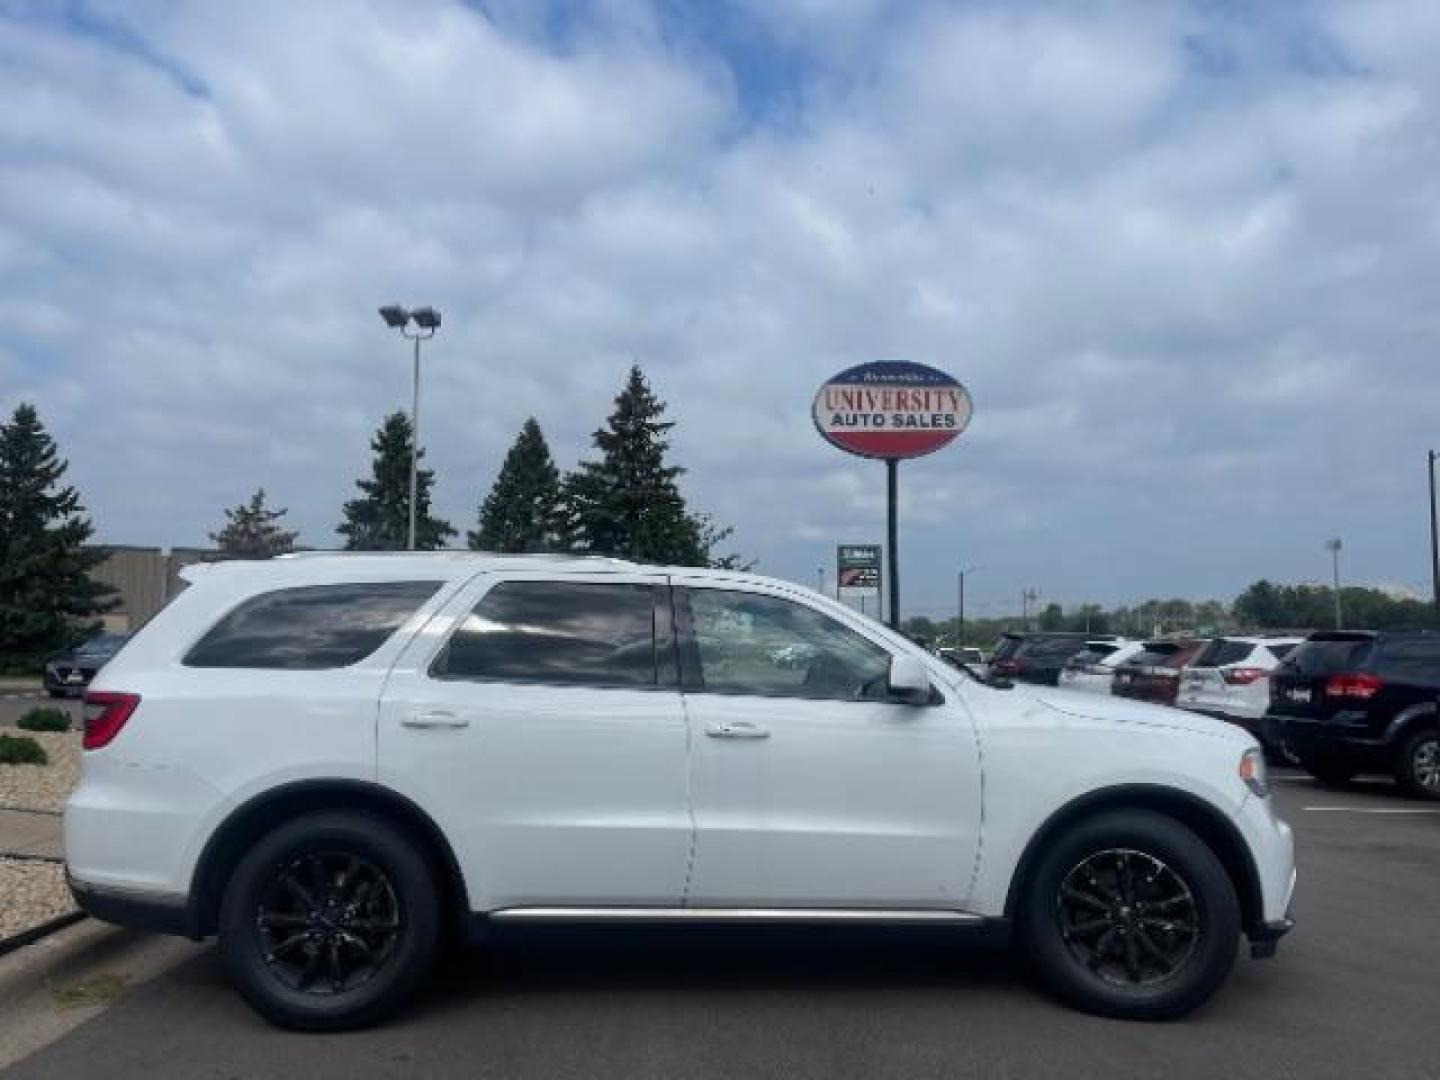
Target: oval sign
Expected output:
[891,409]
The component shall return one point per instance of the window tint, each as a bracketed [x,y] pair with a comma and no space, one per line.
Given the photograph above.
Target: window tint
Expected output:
[1006,647]
[312,627]
[1321,656]
[752,644]
[1415,659]
[1052,650]
[1281,651]
[592,634]
[1223,651]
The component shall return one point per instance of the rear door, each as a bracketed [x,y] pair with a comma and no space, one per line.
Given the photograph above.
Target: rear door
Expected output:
[538,721]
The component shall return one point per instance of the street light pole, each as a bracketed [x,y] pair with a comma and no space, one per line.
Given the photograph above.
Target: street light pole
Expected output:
[960,607]
[1335,546]
[427,321]
[1434,541]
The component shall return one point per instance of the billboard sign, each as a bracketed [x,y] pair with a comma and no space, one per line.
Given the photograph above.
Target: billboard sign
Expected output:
[857,568]
[891,410]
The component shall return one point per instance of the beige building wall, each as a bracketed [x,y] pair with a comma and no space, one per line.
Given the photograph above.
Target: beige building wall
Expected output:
[144,579]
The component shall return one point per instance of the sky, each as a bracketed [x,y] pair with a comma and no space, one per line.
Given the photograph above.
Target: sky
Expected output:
[1181,254]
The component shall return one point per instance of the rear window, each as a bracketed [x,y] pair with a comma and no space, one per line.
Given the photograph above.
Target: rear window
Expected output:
[1051,648]
[312,627]
[1321,656]
[1154,655]
[1092,655]
[1416,658]
[1223,651]
[1281,651]
[591,634]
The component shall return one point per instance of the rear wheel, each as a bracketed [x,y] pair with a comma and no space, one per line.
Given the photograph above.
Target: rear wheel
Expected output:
[1130,914]
[330,922]
[1417,766]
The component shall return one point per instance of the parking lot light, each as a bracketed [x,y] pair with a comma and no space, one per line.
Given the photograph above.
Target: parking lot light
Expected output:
[427,321]
[1333,546]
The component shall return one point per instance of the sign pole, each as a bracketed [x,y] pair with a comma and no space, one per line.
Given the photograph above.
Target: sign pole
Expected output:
[892,484]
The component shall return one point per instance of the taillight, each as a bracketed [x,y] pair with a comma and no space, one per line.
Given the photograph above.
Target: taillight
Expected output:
[1244,676]
[1360,685]
[106,712]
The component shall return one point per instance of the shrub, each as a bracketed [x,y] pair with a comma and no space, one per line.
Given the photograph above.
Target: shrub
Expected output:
[21,750]
[45,718]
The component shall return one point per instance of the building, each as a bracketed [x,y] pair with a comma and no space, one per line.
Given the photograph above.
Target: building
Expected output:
[144,579]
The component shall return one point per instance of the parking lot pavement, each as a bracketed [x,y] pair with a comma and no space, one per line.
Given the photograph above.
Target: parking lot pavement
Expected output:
[1352,993]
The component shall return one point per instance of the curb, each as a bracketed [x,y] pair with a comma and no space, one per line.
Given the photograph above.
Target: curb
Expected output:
[35,933]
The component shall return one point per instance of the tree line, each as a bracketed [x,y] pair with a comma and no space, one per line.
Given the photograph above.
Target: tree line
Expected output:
[1263,606]
[625,501]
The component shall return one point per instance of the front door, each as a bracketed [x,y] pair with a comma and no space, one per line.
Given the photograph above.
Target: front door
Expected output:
[811,788]
[538,722]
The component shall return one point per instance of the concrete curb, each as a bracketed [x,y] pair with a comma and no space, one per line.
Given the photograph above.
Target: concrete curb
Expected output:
[36,933]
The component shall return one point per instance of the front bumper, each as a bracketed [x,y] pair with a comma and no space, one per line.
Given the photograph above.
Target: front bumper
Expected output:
[1265,937]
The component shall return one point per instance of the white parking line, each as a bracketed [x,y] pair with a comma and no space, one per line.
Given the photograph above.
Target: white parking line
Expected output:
[1379,809]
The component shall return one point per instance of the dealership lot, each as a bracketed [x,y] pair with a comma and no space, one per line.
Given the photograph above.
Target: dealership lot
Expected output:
[1352,992]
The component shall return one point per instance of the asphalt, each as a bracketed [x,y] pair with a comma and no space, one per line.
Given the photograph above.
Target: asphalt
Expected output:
[1353,992]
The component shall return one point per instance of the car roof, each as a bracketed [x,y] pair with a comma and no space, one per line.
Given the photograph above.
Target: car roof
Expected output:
[333,567]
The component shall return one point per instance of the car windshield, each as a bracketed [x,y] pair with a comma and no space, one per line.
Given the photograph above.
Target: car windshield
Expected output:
[103,645]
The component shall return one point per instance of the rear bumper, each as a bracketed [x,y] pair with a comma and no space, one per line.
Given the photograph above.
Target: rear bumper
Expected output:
[159,913]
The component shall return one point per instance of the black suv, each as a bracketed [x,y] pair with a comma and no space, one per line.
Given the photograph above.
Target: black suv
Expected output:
[1349,701]
[1039,657]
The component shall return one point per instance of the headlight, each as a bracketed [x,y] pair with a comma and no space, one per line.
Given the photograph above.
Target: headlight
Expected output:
[1252,771]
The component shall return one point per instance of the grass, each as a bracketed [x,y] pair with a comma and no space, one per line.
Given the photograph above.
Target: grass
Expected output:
[45,718]
[21,750]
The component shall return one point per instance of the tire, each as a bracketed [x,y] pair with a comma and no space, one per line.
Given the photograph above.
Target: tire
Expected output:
[1167,863]
[1329,771]
[322,883]
[1417,765]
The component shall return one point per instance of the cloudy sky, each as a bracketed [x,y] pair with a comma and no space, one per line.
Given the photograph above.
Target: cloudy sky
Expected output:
[1182,254]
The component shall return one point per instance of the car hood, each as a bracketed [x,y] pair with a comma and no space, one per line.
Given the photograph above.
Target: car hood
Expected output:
[1127,711]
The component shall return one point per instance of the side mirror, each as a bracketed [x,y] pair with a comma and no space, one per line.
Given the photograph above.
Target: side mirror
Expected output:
[908,682]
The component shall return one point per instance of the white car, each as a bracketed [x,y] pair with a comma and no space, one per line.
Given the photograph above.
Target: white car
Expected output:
[336,762]
[1229,679]
[1093,668]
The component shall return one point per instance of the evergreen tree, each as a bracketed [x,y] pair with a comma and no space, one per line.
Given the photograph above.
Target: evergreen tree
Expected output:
[48,600]
[628,503]
[522,511]
[252,531]
[380,519]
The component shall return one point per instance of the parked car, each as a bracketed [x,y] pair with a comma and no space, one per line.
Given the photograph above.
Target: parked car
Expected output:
[1349,701]
[1229,679]
[1035,657]
[1093,668]
[68,673]
[1153,674]
[335,763]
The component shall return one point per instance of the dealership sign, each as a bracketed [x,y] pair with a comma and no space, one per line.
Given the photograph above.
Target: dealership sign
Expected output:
[857,567]
[891,409]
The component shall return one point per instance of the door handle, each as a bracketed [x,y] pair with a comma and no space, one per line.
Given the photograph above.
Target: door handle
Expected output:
[736,729]
[437,719]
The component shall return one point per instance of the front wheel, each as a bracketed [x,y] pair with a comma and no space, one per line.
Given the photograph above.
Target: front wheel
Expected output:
[330,922]
[1130,914]
[1417,766]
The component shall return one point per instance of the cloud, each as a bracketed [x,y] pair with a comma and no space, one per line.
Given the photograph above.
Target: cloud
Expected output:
[1180,254]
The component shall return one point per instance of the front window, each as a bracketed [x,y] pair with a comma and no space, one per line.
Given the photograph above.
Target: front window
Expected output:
[748,643]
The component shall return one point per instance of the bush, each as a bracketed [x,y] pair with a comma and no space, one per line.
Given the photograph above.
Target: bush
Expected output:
[21,750]
[45,718]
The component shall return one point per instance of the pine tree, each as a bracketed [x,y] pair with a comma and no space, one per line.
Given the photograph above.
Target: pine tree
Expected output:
[252,531]
[522,511]
[47,598]
[628,502]
[379,521]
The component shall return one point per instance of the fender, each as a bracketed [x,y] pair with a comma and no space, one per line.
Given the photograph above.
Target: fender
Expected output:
[1409,719]
[1211,824]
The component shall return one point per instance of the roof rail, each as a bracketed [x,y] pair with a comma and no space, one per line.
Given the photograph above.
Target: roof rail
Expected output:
[450,553]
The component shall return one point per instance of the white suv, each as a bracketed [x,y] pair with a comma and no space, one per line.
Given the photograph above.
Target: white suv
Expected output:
[1229,679]
[332,762]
